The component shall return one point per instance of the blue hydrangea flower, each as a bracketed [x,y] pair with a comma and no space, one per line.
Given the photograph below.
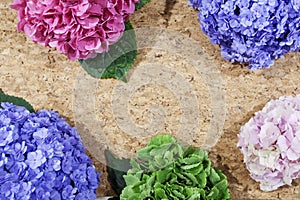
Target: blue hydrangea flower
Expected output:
[42,157]
[251,31]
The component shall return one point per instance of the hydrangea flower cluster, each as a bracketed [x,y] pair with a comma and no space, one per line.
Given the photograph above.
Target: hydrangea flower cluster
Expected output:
[270,142]
[251,31]
[78,28]
[42,157]
[165,169]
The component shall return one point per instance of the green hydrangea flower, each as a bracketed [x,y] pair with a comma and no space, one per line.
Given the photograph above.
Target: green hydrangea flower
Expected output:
[165,169]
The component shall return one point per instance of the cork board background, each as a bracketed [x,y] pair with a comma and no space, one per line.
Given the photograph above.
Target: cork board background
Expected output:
[48,80]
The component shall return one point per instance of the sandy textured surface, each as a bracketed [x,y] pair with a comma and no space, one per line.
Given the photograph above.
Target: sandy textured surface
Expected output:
[123,117]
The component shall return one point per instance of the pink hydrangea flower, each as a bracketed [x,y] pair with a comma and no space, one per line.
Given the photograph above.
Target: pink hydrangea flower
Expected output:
[270,143]
[78,28]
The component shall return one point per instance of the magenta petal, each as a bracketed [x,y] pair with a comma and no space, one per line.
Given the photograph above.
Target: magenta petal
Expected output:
[89,43]
[95,43]
[96,9]
[61,30]
[89,22]
[81,9]
[29,30]
[18,4]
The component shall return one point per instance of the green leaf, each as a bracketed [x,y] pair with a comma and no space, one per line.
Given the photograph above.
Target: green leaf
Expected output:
[163,175]
[188,191]
[223,190]
[162,139]
[195,196]
[222,186]
[128,194]
[116,62]
[207,166]
[160,194]
[141,4]
[195,170]
[178,194]
[131,179]
[134,197]
[150,182]
[144,154]
[202,193]
[138,186]
[213,194]
[173,179]
[116,169]
[192,160]
[202,179]
[160,162]
[192,178]
[135,166]
[186,167]
[214,176]
[16,101]
[159,151]
[168,155]
[190,150]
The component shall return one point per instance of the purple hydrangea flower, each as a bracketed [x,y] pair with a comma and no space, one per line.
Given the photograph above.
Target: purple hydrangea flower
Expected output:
[42,157]
[270,143]
[35,159]
[255,32]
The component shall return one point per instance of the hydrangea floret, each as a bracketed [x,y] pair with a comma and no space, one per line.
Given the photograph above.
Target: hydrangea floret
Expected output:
[270,143]
[42,157]
[165,169]
[80,29]
[251,31]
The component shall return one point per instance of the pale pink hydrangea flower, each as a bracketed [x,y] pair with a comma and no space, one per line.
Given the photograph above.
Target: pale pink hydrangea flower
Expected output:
[270,142]
[78,28]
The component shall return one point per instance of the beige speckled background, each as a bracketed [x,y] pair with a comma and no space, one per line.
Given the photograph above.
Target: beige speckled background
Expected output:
[48,80]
